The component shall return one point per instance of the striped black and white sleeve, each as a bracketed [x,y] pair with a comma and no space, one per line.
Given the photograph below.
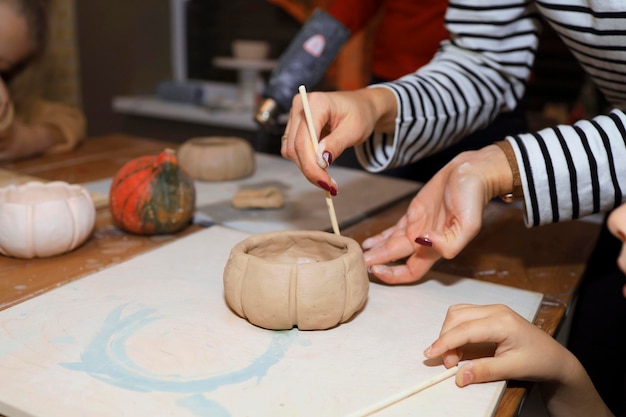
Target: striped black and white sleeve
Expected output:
[481,71]
[569,172]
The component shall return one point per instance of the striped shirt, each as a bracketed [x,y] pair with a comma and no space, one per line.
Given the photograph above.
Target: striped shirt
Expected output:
[567,171]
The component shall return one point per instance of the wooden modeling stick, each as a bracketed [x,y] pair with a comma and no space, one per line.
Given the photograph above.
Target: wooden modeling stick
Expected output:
[386,402]
[309,122]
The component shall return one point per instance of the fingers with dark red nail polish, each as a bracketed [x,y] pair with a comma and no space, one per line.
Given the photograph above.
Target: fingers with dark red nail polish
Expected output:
[424,241]
[326,187]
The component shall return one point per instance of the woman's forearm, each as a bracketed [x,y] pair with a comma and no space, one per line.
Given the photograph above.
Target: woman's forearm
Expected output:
[383,107]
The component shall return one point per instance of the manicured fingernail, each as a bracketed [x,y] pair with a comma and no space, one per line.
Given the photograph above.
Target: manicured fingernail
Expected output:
[427,351]
[325,186]
[333,187]
[467,378]
[327,157]
[424,241]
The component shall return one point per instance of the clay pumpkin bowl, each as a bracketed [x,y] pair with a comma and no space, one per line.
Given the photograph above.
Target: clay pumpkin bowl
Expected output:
[216,158]
[309,279]
[44,219]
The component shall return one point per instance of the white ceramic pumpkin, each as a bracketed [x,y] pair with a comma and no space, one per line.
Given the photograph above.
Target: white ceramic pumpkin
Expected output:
[217,158]
[310,279]
[44,219]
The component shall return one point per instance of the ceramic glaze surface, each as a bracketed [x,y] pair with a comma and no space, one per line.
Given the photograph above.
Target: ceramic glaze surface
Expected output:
[44,219]
[309,279]
[217,158]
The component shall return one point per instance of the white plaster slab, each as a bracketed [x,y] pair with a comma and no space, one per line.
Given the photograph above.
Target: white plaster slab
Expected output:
[360,193]
[153,337]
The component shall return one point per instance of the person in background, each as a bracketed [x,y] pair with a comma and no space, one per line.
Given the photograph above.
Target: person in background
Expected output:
[29,125]
[561,173]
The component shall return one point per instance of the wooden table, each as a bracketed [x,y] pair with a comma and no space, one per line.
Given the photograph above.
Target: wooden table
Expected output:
[549,259]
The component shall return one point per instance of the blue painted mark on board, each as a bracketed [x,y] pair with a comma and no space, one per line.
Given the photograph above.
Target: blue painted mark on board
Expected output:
[203,407]
[105,359]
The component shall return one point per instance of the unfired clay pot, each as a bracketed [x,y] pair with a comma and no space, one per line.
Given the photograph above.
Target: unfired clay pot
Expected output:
[309,279]
[44,219]
[217,158]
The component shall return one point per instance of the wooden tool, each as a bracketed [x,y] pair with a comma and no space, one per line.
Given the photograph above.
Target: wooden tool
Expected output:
[386,402]
[309,122]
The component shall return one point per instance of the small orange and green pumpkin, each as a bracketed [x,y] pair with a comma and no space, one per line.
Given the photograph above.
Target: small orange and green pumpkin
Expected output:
[152,195]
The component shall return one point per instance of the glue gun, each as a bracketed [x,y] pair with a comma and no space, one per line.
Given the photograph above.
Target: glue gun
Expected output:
[304,62]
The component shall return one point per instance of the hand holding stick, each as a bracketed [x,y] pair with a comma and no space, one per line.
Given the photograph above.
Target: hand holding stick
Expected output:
[309,122]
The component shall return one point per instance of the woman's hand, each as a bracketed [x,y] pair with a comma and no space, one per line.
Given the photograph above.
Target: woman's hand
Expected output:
[341,120]
[442,219]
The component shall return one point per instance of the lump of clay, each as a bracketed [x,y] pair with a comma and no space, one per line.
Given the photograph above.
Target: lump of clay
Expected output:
[44,219]
[309,279]
[258,198]
[217,158]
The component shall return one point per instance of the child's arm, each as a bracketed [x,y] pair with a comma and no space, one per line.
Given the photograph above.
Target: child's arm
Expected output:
[523,352]
[52,128]
[22,140]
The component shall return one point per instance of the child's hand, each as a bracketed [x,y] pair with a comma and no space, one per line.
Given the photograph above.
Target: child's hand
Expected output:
[522,351]
[21,141]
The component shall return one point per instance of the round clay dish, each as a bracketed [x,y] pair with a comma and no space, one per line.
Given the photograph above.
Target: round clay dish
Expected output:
[44,219]
[309,279]
[217,158]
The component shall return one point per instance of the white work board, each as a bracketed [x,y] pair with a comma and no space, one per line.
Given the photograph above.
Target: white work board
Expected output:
[360,193]
[153,336]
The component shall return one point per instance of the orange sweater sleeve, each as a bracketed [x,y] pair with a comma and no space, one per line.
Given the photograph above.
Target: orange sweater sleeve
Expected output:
[354,14]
